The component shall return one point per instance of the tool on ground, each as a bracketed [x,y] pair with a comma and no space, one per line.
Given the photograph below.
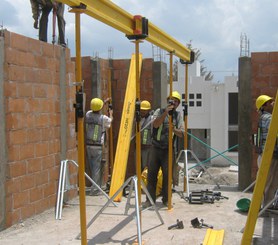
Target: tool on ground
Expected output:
[200,197]
[178,225]
[196,223]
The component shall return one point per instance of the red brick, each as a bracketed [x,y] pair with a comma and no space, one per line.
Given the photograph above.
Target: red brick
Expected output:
[16,73]
[19,42]
[41,205]
[48,162]
[27,151]
[273,57]
[41,178]
[270,69]
[12,186]
[10,89]
[27,211]
[34,165]
[27,182]
[42,120]
[16,105]
[20,199]
[259,57]
[40,90]
[34,135]
[36,194]
[32,75]
[13,217]
[34,47]
[18,137]
[49,190]
[54,174]
[41,149]
[24,90]
[16,169]
[45,76]
[13,153]
[47,49]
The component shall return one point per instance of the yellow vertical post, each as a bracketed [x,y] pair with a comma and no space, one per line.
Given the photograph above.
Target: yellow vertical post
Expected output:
[138,127]
[261,177]
[111,146]
[170,140]
[185,139]
[80,133]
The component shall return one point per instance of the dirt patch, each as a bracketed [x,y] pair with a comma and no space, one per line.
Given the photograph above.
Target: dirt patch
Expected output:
[213,175]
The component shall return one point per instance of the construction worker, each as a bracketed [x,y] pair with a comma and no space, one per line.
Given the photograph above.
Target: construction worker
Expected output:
[96,125]
[146,133]
[264,104]
[159,158]
[42,8]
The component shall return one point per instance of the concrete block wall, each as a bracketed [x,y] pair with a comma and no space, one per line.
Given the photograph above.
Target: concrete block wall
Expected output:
[264,75]
[39,125]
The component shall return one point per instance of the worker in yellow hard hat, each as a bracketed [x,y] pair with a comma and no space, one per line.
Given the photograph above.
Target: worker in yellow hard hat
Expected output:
[96,124]
[264,105]
[160,145]
[146,133]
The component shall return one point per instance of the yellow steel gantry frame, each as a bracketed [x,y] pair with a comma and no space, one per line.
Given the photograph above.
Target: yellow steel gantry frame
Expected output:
[114,16]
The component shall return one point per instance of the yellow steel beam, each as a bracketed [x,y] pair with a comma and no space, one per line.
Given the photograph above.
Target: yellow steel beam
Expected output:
[114,16]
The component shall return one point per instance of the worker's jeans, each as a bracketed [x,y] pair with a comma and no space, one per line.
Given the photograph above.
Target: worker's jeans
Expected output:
[94,157]
[159,158]
[46,9]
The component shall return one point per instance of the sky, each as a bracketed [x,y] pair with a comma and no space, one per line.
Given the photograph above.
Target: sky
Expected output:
[214,27]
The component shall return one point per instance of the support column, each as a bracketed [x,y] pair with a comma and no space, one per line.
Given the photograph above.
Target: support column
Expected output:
[3,150]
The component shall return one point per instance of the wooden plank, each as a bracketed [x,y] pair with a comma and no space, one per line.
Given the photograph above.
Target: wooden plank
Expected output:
[123,144]
[214,237]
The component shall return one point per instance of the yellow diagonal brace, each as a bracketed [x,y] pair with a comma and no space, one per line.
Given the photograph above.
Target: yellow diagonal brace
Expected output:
[114,16]
[123,144]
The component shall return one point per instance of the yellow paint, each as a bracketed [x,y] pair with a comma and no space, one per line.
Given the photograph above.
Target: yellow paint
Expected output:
[123,144]
[214,237]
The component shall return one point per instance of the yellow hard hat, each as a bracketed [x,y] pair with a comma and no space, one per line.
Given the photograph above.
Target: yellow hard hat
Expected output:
[261,100]
[96,104]
[145,105]
[176,95]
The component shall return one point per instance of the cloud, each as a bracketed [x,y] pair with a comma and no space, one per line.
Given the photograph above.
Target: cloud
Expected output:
[214,27]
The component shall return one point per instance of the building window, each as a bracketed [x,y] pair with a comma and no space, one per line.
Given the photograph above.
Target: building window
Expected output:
[199,103]
[195,100]
[233,121]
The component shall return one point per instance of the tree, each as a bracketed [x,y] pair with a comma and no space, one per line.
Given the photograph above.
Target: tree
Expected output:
[207,74]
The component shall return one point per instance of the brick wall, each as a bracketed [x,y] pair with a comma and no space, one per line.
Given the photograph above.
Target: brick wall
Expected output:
[95,74]
[264,66]
[33,111]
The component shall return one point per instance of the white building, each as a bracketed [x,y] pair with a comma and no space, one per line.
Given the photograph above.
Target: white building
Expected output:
[212,115]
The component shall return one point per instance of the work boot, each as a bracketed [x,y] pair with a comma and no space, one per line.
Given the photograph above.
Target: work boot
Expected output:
[146,204]
[36,24]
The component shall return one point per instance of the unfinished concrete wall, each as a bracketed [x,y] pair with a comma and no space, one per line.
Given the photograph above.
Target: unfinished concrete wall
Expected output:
[37,125]
[245,107]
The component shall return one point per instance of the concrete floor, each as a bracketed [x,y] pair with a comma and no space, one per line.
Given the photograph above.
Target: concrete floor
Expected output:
[112,226]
